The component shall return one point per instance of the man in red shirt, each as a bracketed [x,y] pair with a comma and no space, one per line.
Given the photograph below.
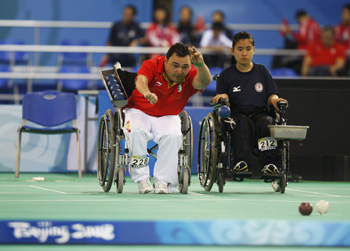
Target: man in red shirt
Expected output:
[309,30]
[325,58]
[342,30]
[163,87]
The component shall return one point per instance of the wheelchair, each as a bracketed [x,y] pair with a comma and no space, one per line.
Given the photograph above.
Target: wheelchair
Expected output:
[215,156]
[113,151]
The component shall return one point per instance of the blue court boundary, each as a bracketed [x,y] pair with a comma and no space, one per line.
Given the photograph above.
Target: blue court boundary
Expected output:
[178,232]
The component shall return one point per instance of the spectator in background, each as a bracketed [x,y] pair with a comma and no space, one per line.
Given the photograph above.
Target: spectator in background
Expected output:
[309,30]
[342,30]
[324,58]
[185,26]
[161,33]
[215,39]
[124,33]
[219,16]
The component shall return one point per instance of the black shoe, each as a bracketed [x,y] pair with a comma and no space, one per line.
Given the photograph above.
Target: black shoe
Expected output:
[270,169]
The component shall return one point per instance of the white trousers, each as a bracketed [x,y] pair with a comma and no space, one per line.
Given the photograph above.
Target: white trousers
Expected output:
[139,128]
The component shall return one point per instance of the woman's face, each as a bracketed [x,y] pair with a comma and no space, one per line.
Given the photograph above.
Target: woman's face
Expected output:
[160,16]
[243,52]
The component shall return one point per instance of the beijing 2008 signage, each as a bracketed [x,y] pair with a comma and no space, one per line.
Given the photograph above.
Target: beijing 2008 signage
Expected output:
[178,232]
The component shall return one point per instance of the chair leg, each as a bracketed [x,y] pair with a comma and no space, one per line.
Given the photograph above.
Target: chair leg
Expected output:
[18,152]
[79,156]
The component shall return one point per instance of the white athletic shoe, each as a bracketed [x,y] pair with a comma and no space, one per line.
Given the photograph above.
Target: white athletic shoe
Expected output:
[145,186]
[160,187]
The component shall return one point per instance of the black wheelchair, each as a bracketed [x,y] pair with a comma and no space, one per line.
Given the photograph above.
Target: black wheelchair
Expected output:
[112,149]
[215,156]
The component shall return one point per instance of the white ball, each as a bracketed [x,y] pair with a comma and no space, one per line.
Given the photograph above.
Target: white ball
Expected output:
[322,207]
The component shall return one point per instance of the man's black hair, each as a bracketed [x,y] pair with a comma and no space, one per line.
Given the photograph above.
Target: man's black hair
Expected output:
[132,7]
[180,49]
[328,28]
[347,6]
[300,13]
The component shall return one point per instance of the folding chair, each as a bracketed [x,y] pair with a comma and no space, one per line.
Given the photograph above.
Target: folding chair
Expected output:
[51,112]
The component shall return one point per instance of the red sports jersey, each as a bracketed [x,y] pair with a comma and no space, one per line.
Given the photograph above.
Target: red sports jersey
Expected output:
[325,56]
[171,99]
[342,34]
[309,32]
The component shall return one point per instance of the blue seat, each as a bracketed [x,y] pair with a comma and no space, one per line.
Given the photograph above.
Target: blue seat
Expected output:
[283,72]
[4,82]
[12,58]
[75,58]
[212,86]
[50,112]
[73,85]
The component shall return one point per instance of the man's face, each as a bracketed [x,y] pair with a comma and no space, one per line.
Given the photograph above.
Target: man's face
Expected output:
[176,68]
[243,52]
[128,15]
[327,38]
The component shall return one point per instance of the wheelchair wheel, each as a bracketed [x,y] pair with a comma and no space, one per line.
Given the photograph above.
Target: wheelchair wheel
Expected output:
[207,152]
[187,131]
[120,180]
[106,151]
[184,180]
[221,181]
[120,169]
[281,184]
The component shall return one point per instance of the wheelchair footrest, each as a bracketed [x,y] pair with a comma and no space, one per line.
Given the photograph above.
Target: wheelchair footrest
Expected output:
[239,176]
[271,177]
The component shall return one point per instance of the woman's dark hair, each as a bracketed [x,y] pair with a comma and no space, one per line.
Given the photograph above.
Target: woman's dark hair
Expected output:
[180,49]
[239,36]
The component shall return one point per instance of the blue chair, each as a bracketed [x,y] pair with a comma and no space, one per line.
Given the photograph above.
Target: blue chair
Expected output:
[51,112]
[283,72]
[73,85]
[13,58]
[4,82]
[75,58]
[211,88]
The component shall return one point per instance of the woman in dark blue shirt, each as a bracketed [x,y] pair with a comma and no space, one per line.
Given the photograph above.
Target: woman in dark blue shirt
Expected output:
[249,88]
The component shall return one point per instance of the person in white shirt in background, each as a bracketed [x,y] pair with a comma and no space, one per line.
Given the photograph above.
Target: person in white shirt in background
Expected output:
[216,40]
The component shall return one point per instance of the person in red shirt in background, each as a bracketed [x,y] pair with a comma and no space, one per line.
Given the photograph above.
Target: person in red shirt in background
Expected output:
[324,58]
[161,33]
[342,30]
[163,87]
[309,30]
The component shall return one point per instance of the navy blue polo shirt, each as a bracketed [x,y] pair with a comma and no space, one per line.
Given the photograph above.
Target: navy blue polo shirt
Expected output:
[247,89]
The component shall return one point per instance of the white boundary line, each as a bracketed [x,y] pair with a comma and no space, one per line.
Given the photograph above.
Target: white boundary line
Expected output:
[330,195]
[48,189]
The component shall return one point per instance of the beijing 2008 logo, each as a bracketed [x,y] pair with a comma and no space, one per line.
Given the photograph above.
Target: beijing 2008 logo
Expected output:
[259,87]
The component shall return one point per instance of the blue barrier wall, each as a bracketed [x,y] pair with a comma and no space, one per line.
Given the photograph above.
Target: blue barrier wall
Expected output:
[326,12]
